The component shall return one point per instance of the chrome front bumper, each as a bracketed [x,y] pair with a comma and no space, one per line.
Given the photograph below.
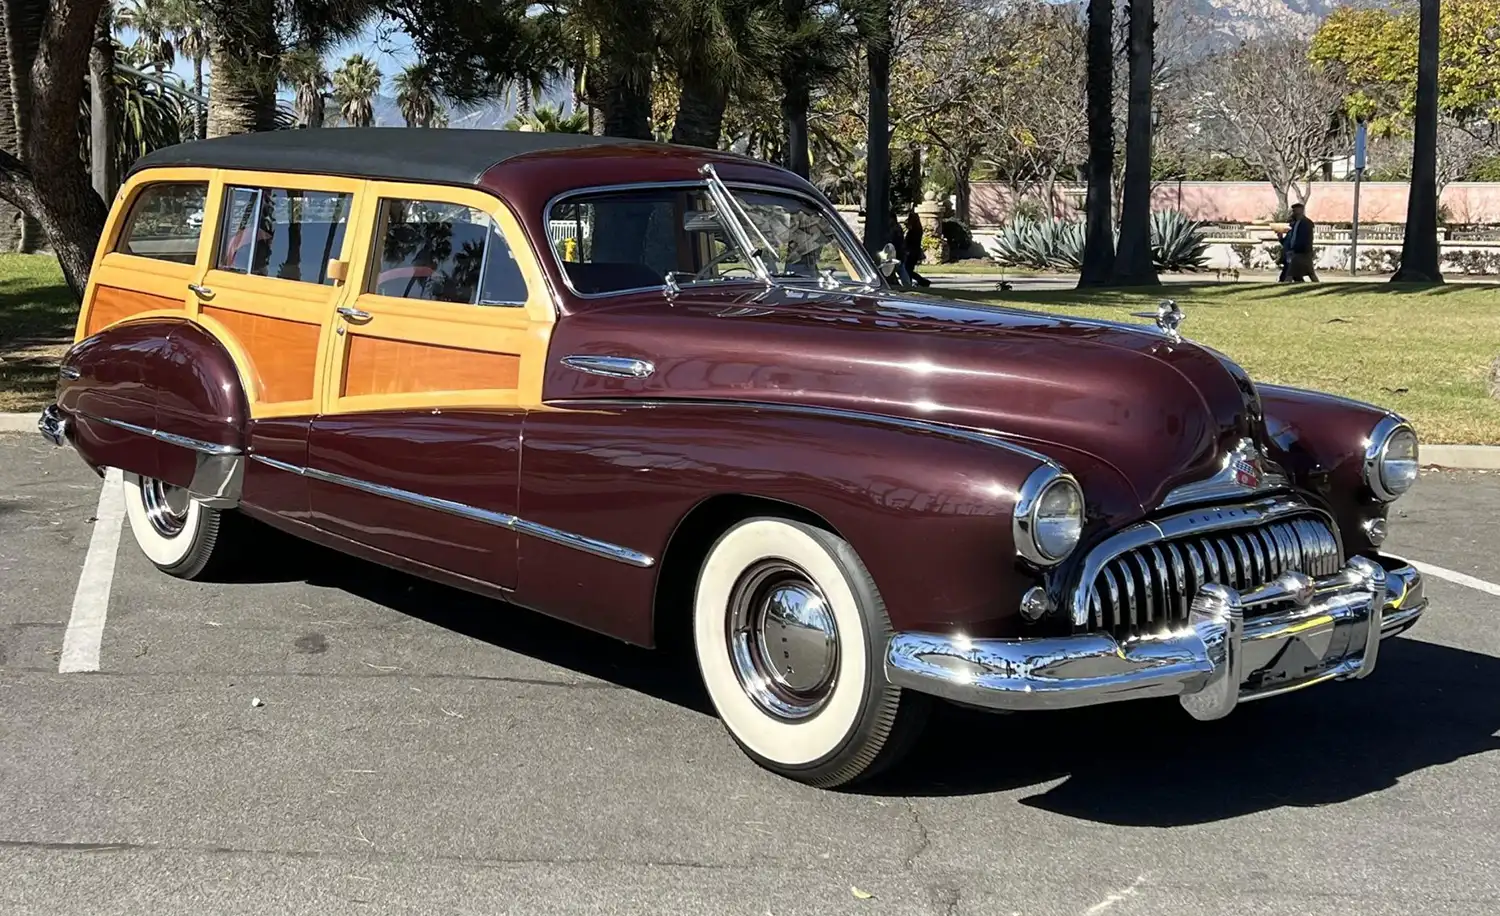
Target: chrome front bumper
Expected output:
[53,425]
[1324,629]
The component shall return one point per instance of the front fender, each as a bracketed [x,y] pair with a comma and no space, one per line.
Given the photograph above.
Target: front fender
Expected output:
[1320,440]
[928,513]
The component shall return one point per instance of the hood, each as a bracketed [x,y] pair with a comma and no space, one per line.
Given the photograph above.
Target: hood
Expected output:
[1122,407]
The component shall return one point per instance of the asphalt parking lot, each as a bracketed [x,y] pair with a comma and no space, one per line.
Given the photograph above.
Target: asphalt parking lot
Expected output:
[418,750]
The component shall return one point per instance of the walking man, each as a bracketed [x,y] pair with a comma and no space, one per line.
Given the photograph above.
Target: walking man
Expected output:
[1298,247]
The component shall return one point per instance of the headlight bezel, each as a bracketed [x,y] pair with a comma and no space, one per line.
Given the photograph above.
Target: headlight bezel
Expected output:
[1377,449]
[1028,506]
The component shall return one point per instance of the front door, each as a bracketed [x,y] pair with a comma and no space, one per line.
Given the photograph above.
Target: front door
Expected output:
[433,360]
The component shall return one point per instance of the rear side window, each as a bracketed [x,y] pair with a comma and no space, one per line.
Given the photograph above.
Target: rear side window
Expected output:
[165,222]
[283,233]
[444,252]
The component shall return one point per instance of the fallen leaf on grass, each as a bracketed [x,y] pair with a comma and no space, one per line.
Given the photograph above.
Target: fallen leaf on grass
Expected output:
[1337,321]
[859,894]
[1402,390]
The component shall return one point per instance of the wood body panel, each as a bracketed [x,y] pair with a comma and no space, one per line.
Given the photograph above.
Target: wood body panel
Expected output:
[113,303]
[282,353]
[378,366]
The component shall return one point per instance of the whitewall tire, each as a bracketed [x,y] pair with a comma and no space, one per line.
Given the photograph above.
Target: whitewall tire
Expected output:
[790,634]
[176,532]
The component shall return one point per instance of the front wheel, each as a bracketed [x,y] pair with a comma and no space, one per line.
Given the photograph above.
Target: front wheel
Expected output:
[790,634]
[175,531]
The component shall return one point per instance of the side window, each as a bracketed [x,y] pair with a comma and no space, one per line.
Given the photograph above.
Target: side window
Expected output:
[443,252]
[165,222]
[283,233]
[617,241]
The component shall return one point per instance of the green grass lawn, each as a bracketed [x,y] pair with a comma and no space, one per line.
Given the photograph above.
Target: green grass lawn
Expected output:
[37,314]
[1423,352]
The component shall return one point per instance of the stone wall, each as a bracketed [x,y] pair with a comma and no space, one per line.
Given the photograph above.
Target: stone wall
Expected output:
[1251,202]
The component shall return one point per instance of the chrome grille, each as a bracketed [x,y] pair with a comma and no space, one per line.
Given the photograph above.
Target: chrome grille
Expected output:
[1151,587]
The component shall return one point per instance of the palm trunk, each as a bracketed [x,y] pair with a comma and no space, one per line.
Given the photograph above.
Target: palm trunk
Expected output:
[1099,245]
[23,28]
[1421,260]
[11,217]
[1133,262]
[200,110]
[878,140]
[794,107]
[700,114]
[242,98]
[624,99]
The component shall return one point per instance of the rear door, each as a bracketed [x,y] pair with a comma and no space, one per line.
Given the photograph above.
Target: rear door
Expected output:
[433,361]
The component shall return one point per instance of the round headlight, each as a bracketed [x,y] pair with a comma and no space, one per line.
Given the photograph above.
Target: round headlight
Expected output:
[1391,459]
[1049,516]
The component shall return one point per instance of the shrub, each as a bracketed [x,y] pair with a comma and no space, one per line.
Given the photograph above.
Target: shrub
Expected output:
[958,237]
[1039,244]
[1029,209]
[1379,260]
[1178,243]
[1245,253]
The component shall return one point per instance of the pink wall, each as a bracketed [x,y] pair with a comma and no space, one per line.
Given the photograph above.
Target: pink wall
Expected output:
[1249,202]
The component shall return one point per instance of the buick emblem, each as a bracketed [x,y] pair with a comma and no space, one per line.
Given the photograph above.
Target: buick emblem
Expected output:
[1244,461]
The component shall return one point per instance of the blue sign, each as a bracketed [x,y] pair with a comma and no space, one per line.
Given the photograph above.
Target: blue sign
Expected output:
[1359,146]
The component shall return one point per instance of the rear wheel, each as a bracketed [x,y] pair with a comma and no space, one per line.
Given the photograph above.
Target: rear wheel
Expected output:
[175,531]
[790,634]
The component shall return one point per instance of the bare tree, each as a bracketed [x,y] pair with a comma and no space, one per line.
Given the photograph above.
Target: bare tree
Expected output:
[1267,106]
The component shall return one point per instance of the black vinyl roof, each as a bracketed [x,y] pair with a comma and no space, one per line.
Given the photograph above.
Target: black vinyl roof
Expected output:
[436,155]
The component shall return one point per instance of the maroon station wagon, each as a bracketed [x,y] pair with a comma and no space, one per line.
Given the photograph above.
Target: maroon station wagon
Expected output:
[662,392]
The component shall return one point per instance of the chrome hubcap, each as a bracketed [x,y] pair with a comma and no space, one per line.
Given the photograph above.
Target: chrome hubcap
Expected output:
[166,506]
[783,640]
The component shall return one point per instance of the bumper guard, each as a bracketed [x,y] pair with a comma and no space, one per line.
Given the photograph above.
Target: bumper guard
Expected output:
[1327,629]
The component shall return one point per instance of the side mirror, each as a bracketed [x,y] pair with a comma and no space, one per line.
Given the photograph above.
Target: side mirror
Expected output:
[888,262]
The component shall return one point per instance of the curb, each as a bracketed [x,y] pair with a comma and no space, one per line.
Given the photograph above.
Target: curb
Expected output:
[1451,457]
[19,422]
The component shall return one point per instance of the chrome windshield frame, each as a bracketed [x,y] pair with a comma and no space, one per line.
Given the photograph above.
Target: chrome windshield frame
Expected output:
[841,231]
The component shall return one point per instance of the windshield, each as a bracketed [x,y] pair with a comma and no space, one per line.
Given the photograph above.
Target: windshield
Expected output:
[620,240]
[797,240]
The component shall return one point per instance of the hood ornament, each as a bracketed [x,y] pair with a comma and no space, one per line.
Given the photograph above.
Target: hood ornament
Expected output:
[1245,464]
[1168,317]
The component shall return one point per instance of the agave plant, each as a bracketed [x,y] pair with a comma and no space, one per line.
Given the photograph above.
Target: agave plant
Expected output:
[1177,243]
[1038,244]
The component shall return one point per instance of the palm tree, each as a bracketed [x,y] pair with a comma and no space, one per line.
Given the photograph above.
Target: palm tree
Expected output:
[1099,244]
[1134,265]
[188,32]
[877,39]
[355,86]
[815,45]
[1421,260]
[246,51]
[416,95]
[551,120]
[303,72]
[152,22]
[712,45]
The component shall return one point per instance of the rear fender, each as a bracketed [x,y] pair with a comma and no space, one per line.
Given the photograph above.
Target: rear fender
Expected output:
[161,398]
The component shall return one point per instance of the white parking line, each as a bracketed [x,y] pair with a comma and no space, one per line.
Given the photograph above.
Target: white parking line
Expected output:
[1458,578]
[85,634]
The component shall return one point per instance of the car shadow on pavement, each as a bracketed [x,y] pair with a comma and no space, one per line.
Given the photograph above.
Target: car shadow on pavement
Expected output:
[665,676]
[1148,764]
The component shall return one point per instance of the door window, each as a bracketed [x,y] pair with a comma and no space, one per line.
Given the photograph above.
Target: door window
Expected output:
[284,233]
[443,252]
[165,222]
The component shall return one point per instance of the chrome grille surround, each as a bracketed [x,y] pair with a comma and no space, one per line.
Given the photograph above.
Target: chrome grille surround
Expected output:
[1145,576]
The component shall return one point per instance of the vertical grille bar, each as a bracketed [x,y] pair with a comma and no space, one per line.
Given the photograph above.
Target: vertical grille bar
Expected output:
[1156,583]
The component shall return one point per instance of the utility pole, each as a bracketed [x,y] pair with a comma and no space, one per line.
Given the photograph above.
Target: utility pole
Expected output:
[1359,174]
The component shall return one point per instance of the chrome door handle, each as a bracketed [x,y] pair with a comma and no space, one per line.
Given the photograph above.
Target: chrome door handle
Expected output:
[354,314]
[202,292]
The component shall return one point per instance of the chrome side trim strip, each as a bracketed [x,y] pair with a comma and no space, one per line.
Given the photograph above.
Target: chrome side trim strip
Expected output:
[982,436]
[612,366]
[197,445]
[474,513]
